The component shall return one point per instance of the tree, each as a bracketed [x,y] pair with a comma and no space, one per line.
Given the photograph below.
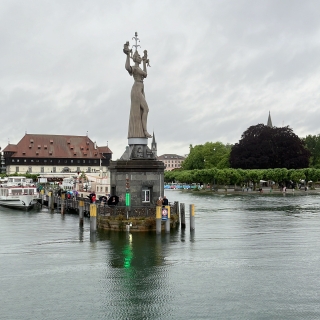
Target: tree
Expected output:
[263,147]
[209,155]
[312,143]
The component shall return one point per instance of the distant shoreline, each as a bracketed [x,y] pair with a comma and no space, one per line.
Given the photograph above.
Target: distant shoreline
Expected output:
[250,192]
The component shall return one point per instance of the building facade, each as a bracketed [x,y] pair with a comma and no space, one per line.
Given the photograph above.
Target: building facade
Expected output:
[40,154]
[171,161]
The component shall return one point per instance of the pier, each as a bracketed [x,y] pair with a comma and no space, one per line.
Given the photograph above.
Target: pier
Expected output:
[138,218]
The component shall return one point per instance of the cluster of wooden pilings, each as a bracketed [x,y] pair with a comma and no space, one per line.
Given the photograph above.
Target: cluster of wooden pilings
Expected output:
[120,218]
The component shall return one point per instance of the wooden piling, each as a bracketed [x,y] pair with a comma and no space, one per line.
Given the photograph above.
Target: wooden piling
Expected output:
[81,206]
[158,219]
[192,217]
[167,225]
[50,199]
[63,196]
[182,216]
[52,202]
[42,197]
[93,217]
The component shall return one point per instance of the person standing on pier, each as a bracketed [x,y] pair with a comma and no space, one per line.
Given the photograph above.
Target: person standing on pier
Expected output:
[165,201]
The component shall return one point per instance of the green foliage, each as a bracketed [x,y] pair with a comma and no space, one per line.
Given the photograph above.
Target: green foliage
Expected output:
[241,176]
[209,155]
[312,143]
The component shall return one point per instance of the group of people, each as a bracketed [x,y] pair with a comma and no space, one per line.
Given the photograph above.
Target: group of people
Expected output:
[162,201]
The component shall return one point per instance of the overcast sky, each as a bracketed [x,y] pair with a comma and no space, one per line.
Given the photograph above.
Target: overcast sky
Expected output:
[217,68]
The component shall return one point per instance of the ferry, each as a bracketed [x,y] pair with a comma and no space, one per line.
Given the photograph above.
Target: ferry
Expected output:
[18,193]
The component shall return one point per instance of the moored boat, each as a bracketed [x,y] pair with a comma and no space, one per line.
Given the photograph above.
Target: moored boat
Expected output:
[18,193]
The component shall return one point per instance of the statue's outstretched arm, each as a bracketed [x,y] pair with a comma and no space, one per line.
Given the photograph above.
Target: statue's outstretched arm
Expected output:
[127,65]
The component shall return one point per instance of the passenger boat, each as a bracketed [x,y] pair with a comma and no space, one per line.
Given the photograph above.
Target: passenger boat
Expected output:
[18,193]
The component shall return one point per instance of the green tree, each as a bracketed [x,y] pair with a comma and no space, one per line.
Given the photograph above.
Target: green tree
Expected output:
[195,159]
[312,143]
[209,155]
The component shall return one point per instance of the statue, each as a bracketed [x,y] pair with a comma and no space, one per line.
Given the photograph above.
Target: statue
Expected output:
[139,107]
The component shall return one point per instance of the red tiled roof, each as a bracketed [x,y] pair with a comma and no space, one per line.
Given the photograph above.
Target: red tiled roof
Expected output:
[56,146]
[10,148]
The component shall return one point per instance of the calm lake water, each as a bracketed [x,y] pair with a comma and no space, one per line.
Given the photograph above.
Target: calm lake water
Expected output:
[250,257]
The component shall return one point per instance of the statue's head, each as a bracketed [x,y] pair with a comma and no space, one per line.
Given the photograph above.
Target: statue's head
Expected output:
[136,57]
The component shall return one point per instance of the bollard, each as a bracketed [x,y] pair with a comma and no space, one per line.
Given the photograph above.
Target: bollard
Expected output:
[93,217]
[192,217]
[63,195]
[50,200]
[167,225]
[81,205]
[158,219]
[183,216]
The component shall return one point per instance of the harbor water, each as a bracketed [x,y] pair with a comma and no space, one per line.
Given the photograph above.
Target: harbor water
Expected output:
[250,257]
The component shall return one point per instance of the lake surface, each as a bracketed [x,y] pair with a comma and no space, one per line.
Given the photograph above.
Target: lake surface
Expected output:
[250,257]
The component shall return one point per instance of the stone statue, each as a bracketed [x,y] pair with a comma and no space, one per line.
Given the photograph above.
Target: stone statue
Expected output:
[139,107]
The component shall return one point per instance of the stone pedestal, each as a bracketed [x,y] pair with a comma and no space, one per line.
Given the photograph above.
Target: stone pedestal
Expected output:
[145,178]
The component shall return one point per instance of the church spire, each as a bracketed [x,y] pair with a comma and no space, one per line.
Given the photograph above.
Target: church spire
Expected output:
[154,145]
[269,123]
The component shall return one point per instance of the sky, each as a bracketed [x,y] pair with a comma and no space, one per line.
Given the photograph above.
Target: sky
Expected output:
[217,68]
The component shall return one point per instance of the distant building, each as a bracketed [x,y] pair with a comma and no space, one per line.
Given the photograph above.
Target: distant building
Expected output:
[41,153]
[171,161]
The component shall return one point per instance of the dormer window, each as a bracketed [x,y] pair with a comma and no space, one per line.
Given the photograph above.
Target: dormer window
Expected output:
[23,152]
[31,140]
[30,146]
[50,152]
[51,141]
[68,141]
[37,152]
[82,148]
[45,146]
[39,146]
[71,147]
[87,142]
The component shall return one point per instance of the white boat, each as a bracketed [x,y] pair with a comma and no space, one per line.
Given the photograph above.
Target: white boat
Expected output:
[18,193]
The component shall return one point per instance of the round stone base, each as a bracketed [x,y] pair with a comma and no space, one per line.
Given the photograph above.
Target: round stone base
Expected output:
[141,141]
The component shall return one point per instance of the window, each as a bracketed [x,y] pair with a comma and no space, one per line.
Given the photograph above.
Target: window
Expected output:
[78,169]
[30,169]
[71,161]
[54,169]
[17,169]
[12,160]
[42,169]
[89,169]
[145,195]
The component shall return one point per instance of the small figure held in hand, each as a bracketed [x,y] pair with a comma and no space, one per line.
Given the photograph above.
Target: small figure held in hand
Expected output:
[126,49]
